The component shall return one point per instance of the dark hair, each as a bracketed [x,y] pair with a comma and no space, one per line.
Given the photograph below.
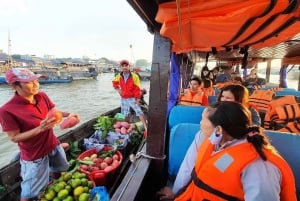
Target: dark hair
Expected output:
[239,92]
[235,119]
[204,68]
[196,79]
[17,83]
[207,83]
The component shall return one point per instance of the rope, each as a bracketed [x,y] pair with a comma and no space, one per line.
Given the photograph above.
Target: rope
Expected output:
[142,154]
[179,21]
[133,158]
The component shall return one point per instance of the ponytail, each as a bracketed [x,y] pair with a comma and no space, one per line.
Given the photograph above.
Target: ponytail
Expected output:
[256,136]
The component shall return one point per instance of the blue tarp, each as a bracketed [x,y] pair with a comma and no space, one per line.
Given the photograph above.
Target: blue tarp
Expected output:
[174,82]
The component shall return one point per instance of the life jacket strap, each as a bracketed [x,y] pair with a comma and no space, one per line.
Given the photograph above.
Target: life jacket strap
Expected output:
[199,183]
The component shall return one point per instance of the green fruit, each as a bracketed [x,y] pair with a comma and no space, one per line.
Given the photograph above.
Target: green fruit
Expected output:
[59,186]
[56,199]
[63,194]
[67,176]
[86,189]
[90,184]
[75,183]
[50,195]
[84,182]
[68,187]
[69,198]
[78,191]
[84,197]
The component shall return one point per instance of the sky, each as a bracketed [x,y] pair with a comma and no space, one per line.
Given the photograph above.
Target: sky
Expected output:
[74,28]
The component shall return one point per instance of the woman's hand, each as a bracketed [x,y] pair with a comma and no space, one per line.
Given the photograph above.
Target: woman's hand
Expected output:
[47,124]
[165,193]
[74,115]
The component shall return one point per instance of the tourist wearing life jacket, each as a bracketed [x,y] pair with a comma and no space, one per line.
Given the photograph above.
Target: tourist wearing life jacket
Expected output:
[231,160]
[240,94]
[208,88]
[194,95]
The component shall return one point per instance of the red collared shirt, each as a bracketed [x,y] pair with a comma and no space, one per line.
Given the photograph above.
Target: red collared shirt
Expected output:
[19,113]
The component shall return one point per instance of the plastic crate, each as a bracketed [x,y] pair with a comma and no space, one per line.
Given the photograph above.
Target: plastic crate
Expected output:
[101,177]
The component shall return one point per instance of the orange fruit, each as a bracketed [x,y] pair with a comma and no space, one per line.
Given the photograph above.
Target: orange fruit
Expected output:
[55,113]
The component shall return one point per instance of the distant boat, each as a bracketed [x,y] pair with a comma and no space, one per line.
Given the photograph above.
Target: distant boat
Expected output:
[44,80]
[55,80]
[77,73]
[2,80]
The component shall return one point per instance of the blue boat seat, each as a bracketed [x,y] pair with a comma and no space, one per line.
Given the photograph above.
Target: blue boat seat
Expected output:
[287,145]
[287,92]
[185,114]
[181,137]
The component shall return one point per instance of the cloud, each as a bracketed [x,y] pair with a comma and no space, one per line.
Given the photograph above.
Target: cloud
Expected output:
[11,7]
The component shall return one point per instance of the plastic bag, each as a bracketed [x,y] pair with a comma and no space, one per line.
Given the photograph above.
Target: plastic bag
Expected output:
[99,193]
[117,139]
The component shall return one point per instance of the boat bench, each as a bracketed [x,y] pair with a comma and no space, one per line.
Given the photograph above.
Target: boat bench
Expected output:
[288,145]
[181,137]
[183,124]
[185,114]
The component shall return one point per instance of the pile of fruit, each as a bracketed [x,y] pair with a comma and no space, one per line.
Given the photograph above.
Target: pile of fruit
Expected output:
[107,160]
[69,187]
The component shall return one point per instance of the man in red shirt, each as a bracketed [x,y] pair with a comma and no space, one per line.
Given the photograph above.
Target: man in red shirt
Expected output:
[24,119]
[127,84]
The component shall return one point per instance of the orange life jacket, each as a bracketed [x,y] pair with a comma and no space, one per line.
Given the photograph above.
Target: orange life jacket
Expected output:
[275,89]
[212,173]
[261,98]
[280,111]
[195,100]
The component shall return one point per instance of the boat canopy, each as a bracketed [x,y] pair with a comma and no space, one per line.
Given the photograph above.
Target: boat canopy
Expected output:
[203,25]
[264,29]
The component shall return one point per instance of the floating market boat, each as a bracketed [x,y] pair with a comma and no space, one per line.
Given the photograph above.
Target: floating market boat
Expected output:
[187,32]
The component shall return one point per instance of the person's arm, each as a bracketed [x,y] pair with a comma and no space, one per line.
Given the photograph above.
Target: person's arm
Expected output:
[184,174]
[15,135]
[261,181]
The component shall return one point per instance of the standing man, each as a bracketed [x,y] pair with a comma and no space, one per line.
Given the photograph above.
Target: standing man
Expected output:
[128,85]
[24,119]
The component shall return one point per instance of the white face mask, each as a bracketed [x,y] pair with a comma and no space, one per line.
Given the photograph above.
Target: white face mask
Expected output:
[215,138]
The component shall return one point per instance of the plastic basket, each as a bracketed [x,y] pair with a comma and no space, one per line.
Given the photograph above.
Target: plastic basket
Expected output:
[101,177]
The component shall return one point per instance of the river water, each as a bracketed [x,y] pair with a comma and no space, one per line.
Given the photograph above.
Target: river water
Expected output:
[88,98]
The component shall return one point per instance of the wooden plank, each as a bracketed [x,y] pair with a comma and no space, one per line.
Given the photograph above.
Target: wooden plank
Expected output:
[158,96]
[129,187]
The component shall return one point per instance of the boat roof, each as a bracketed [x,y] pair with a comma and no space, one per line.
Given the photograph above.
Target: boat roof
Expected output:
[226,30]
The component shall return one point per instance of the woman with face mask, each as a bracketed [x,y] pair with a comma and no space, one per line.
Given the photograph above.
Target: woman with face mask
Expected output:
[231,160]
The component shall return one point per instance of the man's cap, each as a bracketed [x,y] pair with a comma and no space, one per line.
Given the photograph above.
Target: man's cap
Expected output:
[20,75]
[124,61]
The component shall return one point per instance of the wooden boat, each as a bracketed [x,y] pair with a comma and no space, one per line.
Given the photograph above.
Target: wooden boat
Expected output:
[183,35]
[77,73]
[46,80]
[10,175]
[55,80]
[2,80]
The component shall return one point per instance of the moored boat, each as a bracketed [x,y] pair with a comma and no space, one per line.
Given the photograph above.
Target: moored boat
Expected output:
[46,80]
[2,80]
[55,80]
